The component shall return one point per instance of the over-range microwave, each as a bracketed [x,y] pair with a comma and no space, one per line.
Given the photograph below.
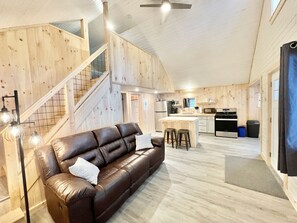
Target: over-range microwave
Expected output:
[209,110]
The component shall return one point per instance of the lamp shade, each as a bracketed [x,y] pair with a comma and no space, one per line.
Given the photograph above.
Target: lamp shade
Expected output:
[13,132]
[5,116]
[35,139]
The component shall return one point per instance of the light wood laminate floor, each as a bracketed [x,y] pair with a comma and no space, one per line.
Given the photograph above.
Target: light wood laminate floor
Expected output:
[189,187]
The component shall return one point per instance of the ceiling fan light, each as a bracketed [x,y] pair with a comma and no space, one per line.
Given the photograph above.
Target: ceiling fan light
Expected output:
[110,26]
[166,7]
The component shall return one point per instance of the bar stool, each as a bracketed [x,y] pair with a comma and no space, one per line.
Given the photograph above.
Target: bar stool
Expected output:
[186,134]
[172,132]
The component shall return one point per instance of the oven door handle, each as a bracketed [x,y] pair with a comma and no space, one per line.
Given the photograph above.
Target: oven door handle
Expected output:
[225,119]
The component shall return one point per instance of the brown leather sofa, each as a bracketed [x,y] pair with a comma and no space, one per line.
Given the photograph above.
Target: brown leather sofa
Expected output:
[122,171]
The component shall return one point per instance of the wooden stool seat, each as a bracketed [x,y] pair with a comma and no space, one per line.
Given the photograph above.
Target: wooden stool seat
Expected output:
[171,132]
[186,134]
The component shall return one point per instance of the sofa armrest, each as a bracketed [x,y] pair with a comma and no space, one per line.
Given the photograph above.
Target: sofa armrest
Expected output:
[70,188]
[47,162]
[158,141]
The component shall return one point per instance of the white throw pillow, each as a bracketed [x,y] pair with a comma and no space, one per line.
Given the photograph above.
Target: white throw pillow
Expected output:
[85,170]
[143,141]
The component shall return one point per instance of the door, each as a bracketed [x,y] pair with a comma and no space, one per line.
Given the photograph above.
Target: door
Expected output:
[135,114]
[274,119]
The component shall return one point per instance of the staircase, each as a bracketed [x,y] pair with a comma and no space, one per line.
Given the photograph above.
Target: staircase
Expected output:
[51,114]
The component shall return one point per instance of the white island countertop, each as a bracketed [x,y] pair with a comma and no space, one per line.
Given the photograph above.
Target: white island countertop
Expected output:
[178,118]
[191,115]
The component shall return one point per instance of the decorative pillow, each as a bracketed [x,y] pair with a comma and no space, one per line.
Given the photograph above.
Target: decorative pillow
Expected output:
[143,141]
[85,170]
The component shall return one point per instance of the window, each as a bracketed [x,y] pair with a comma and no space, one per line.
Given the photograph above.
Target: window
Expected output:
[192,102]
[189,102]
[276,6]
[275,89]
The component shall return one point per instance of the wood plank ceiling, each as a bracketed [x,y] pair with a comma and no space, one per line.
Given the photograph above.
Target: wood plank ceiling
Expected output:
[212,44]
[28,12]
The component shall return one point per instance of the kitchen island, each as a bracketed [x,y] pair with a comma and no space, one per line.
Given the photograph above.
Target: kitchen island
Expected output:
[190,123]
[192,115]
[206,121]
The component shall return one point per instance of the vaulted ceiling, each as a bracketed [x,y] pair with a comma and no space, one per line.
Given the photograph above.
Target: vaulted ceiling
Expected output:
[28,12]
[209,45]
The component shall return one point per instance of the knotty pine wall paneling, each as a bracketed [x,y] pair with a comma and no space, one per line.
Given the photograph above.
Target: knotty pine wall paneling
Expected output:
[35,58]
[272,35]
[103,108]
[145,70]
[166,81]
[118,53]
[133,66]
[254,110]
[231,96]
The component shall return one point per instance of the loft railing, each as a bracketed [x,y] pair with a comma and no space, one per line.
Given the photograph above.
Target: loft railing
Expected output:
[50,112]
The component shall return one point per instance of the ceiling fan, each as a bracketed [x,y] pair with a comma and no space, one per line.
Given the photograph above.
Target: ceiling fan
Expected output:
[166,5]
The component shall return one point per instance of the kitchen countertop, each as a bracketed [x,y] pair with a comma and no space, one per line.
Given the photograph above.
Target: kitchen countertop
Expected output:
[178,118]
[192,115]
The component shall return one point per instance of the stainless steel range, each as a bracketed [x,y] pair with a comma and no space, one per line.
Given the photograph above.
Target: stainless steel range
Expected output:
[226,122]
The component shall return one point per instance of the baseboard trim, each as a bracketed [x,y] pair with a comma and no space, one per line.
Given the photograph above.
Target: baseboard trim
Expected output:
[13,216]
[291,199]
[284,183]
[37,207]
[264,158]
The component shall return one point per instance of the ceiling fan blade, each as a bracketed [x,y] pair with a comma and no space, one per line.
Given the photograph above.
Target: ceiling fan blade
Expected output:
[151,5]
[180,6]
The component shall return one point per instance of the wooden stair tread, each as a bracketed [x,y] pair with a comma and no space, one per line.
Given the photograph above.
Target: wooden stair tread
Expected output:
[16,215]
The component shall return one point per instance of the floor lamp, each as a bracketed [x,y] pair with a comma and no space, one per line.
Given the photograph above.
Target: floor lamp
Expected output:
[15,132]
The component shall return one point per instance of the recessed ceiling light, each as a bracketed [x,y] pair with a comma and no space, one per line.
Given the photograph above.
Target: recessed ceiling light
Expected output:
[156,92]
[110,26]
[166,7]
[137,89]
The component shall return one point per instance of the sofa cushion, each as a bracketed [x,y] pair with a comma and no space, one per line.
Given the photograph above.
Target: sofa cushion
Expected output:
[112,183]
[128,132]
[85,170]
[84,145]
[143,142]
[135,165]
[124,160]
[110,143]
[155,154]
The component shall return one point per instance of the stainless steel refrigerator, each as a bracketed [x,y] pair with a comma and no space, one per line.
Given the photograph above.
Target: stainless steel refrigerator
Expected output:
[161,111]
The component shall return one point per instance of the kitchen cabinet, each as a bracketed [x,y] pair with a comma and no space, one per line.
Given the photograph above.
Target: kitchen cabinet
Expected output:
[210,125]
[206,124]
[206,121]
